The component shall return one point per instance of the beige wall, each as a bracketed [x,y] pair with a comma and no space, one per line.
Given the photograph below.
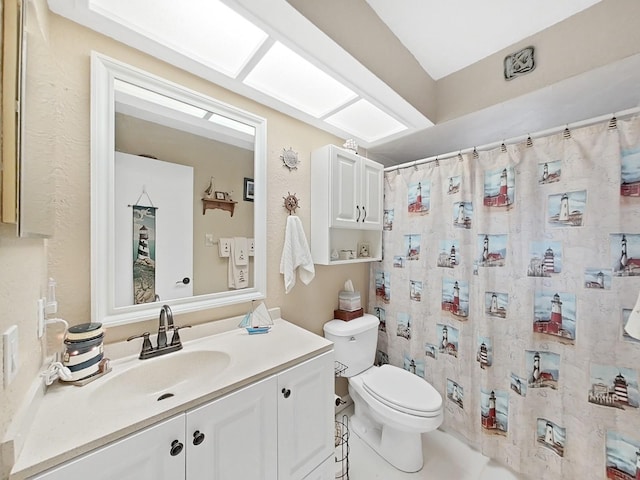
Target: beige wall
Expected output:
[23,263]
[600,35]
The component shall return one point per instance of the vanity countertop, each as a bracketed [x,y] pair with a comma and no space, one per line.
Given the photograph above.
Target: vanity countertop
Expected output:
[68,424]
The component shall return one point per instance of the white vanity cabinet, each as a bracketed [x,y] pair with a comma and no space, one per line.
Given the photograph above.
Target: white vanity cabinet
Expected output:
[156,452]
[235,436]
[278,428]
[305,417]
[346,206]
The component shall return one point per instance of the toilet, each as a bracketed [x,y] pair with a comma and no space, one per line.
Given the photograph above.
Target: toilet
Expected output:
[393,407]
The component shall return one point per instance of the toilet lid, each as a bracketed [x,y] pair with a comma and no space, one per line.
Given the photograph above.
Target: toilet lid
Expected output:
[403,391]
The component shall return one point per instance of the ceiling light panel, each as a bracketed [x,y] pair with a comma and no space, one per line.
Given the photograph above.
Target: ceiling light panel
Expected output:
[286,76]
[365,121]
[158,99]
[205,30]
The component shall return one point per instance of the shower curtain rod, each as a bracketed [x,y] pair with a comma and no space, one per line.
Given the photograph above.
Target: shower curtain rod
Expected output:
[583,123]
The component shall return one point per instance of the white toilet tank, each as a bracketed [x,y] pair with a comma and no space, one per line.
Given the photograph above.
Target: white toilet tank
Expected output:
[354,342]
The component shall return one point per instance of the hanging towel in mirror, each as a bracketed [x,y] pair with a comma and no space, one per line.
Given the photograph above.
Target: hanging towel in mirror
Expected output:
[238,273]
[296,255]
[224,247]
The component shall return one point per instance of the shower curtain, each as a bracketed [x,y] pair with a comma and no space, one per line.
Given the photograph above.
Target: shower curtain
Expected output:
[506,281]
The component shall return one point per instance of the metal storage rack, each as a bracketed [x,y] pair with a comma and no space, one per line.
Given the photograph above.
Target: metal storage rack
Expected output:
[342,448]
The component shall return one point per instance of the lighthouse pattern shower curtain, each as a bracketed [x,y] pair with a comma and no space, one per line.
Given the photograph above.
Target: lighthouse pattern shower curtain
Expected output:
[507,278]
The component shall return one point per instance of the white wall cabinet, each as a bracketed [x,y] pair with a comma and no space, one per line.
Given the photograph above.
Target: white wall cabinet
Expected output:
[346,206]
[279,428]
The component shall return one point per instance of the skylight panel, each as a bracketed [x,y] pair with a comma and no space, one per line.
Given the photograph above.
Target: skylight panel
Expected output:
[286,76]
[365,121]
[207,31]
[158,99]
[233,124]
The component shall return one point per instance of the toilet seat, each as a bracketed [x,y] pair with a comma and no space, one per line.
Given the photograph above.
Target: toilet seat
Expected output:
[403,391]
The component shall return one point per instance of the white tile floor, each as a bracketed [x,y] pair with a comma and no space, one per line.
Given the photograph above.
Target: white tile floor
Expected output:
[445,458]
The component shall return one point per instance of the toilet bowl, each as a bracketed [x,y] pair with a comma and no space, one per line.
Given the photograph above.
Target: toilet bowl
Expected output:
[392,409]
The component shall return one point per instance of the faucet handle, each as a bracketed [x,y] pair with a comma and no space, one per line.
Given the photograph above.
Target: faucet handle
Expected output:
[146,343]
[175,339]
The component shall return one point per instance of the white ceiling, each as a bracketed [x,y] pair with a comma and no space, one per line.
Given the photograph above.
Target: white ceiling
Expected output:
[446,36]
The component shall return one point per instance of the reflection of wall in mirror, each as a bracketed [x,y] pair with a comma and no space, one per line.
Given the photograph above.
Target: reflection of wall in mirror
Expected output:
[209,158]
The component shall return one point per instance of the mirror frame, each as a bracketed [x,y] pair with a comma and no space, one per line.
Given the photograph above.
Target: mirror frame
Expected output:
[104,71]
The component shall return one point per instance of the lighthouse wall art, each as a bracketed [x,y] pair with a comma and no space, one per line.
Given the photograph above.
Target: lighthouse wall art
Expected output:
[630,172]
[623,456]
[614,387]
[455,393]
[514,272]
[447,339]
[455,298]
[545,258]
[555,314]
[413,365]
[419,198]
[551,436]
[491,250]
[550,172]
[495,304]
[625,254]
[566,209]
[144,254]
[449,256]
[499,187]
[494,411]
[462,214]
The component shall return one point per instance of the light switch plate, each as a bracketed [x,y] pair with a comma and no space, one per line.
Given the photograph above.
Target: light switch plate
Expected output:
[10,348]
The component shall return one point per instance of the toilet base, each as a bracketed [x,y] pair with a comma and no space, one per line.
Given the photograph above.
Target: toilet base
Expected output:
[401,449]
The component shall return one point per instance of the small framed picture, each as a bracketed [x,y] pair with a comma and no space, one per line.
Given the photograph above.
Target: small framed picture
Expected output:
[220,196]
[363,249]
[248,189]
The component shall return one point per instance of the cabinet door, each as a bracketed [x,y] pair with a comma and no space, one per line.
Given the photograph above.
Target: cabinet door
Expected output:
[235,437]
[345,190]
[372,178]
[305,417]
[151,453]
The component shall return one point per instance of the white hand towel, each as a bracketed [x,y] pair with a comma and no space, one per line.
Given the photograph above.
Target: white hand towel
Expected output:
[240,251]
[296,255]
[237,275]
[224,247]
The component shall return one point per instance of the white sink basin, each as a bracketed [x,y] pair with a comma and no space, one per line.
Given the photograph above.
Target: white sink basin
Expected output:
[156,379]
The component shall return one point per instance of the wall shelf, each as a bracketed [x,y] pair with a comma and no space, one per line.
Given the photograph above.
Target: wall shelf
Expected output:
[227,205]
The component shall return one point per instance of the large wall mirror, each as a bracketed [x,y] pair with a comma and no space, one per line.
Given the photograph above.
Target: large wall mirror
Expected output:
[178,197]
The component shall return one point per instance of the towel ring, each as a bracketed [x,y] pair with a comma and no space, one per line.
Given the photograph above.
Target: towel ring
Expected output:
[291,203]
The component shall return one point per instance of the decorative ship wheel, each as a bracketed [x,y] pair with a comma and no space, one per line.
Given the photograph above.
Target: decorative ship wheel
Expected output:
[291,203]
[290,159]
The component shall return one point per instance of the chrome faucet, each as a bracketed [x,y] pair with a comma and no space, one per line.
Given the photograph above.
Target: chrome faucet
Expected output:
[165,322]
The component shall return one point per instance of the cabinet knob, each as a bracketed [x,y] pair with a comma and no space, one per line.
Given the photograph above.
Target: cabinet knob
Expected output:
[176,448]
[185,281]
[358,209]
[286,392]
[198,437]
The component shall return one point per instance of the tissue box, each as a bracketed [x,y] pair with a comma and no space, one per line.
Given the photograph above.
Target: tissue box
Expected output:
[349,301]
[346,316]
